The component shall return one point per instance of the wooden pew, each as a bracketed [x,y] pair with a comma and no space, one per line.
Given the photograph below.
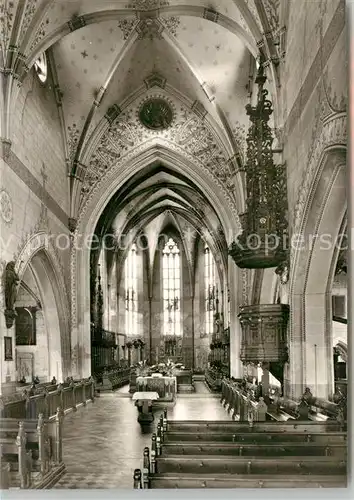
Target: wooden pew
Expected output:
[14,452]
[255,450]
[195,464]
[234,427]
[169,481]
[256,437]
[42,435]
[37,439]
[193,454]
[38,460]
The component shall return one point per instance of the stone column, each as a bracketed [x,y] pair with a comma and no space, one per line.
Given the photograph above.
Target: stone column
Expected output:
[310,346]
[236,369]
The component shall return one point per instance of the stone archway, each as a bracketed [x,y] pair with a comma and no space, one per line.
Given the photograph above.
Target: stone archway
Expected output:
[89,216]
[310,343]
[38,257]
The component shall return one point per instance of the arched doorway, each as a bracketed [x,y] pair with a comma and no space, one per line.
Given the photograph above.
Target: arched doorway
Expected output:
[39,323]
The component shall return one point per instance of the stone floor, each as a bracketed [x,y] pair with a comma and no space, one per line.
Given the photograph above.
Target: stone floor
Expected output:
[103,442]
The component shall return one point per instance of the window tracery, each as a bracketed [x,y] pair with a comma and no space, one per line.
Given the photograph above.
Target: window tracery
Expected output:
[171,271]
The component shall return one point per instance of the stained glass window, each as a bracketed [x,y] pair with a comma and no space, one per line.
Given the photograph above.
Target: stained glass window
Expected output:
[171,289]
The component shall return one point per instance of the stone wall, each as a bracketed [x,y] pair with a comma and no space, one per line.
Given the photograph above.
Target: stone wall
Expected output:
[35,193]
[314,96]
[313,83]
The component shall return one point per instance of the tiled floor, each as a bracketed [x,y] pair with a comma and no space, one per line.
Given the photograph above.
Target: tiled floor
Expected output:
[103,442]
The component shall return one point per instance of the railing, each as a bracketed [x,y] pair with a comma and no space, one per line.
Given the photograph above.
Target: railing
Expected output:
[65,396]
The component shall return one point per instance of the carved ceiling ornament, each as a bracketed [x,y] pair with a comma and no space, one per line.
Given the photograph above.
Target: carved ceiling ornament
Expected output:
[6,209]
[156,114]
[147,4]
[190,136]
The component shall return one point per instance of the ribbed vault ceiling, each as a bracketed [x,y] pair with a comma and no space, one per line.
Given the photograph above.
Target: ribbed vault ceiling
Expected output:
[156,200]
[111,54]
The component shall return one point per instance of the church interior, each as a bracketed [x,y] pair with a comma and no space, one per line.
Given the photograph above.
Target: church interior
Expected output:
[173,244]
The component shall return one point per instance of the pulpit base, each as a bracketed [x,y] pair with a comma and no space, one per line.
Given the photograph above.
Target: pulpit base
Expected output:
[145,418]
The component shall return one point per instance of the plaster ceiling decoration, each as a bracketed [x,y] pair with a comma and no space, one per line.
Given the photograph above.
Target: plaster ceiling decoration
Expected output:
[272,11]
[83,63]
[83,60]
[147,4]
[143,59]
[30,10]
[221,61]
[57,15]
[112,56]
[189,134]
[156,113]
[7,17]
[6,207]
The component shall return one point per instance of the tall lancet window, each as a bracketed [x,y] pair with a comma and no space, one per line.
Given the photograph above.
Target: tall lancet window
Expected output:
[172,289]
[210,289]
[131,293]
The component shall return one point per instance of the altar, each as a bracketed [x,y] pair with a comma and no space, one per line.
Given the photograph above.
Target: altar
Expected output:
[166,387]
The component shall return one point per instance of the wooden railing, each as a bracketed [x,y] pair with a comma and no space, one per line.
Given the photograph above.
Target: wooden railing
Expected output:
[46,402]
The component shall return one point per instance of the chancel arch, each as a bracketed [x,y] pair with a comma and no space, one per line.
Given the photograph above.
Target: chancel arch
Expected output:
[312,276]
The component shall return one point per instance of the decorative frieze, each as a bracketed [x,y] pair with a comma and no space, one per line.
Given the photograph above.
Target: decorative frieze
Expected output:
[188,134]
[149,28]
[144,5]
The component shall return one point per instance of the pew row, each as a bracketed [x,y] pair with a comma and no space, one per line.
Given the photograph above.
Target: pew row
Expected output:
[196,454]
[226,464]
[29,405]
[256,450]
[234,427]
[33,451]
[240,403]
[190,481]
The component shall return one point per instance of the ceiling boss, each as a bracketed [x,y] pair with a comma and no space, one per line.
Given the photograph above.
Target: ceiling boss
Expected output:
[156,114]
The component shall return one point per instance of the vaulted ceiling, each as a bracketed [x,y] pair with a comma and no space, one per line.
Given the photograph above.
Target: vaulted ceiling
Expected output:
[107,57]
[154,201]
